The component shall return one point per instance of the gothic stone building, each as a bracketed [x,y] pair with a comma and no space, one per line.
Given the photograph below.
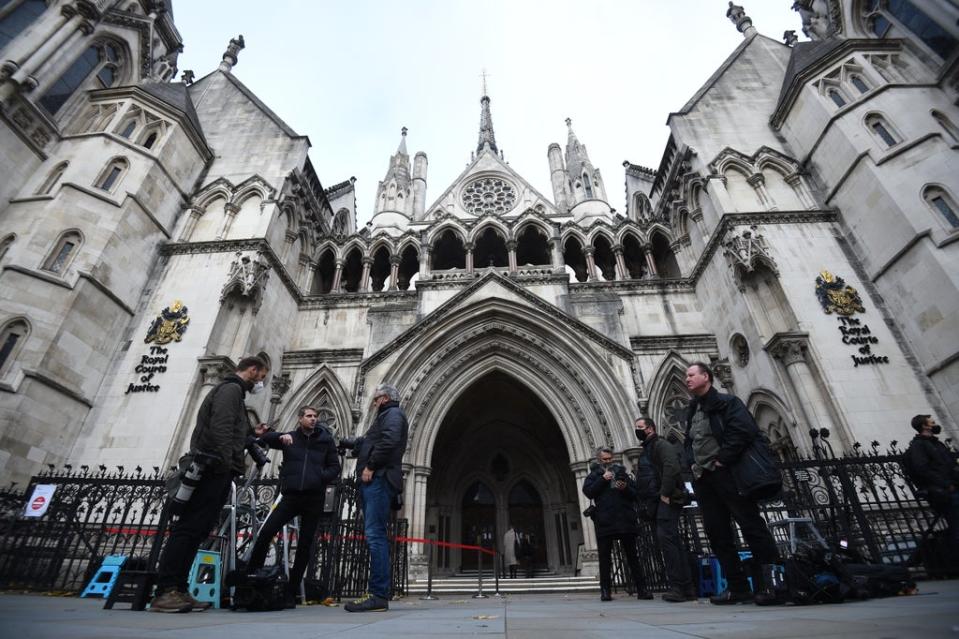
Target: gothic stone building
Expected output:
[799,233]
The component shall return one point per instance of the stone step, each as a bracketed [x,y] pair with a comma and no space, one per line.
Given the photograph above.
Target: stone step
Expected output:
[468,586]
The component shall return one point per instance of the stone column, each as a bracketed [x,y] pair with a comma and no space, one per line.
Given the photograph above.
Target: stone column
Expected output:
[758,182]
[469,256]
[697,215]
[230,210]
[365,277]
[394,272]
[278,385]
[511,253]
[792,352]
[307,271]
[24,72]
[621,272]
[556,249]
[590,556]
[417,512]
[190,225]
[21,50]
[337,276]
[426,252]
[590,264]
[802,191]
[650,262]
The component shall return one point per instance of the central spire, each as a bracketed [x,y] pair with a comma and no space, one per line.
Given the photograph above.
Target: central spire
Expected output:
[487,139]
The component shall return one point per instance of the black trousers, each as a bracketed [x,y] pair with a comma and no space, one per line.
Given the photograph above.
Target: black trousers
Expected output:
[308,508]
[199,516]
[720,504]
[671,544]
[605,547]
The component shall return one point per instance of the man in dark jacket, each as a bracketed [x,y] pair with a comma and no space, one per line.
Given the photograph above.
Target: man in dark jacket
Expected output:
[221,432]
[379,462]
[310,463]
[664,458]
[614,494]
[719,429]
[932,468]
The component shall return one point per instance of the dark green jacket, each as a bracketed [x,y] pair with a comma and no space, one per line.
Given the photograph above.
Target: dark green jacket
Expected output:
[222,427]
[665,459]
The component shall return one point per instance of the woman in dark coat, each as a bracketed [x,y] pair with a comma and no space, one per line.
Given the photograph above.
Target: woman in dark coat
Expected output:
[613,492]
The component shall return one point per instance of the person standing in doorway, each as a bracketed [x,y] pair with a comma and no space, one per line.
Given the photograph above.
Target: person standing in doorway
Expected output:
[510,542]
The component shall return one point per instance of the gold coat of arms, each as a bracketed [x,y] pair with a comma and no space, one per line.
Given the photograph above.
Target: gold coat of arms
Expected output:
[836,296]
[169,325]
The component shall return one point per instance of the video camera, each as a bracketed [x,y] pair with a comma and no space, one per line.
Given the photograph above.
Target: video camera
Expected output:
[257,450]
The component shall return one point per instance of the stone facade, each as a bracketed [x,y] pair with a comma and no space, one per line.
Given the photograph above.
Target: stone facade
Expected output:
[803,241]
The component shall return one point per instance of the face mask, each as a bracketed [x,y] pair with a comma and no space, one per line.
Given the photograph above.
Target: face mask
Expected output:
[257,388]
[641,435]
[936,429]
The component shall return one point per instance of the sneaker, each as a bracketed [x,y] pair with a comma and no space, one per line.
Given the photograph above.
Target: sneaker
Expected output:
[368,603]
[171,601]
[729,598]
[198,606]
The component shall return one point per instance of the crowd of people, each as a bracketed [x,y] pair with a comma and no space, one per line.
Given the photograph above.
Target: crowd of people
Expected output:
[719,435]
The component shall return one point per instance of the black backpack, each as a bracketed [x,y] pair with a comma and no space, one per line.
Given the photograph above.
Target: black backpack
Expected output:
[266,590]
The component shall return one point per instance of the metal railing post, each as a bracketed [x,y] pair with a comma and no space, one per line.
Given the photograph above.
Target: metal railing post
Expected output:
[479,561]
[496,575]
[429,572]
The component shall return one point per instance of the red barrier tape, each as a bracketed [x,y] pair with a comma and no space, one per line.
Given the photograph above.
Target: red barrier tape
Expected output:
[326,537]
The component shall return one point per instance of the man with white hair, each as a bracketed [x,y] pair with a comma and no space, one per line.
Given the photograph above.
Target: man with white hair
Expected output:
[379,462]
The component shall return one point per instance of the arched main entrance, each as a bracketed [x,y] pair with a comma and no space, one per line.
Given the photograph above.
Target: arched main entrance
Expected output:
[500,459]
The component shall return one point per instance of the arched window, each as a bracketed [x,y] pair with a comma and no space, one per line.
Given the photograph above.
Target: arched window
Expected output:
[836,97]
[942,203]
[112,174]
[102,59]
[17,16]
[150,140]
[947,126]
[490,249]
[352,271]
[588,185]
[12,337]
[859,83]
[881,129]
[127,128]
[575,259]
[634,257]
[409,267]
[448,252]
[882,15]
[604,259]
[325,271]
[531,247]
[52,179]
[663,257]
[6,243]
[63,252]
[380,269]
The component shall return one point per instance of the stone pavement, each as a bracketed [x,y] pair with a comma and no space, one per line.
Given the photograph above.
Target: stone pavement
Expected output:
[931,614]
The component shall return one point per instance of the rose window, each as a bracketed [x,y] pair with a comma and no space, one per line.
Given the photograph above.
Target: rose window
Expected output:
[489,195]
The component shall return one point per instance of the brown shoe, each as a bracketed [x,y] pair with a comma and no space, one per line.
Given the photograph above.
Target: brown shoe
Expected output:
[171,601]
[198,606]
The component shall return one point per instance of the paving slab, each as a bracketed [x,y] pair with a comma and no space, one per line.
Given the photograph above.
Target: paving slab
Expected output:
[933,614]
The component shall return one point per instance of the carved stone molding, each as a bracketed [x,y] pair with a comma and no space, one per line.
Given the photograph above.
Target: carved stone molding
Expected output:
[723,372]
[789,348]
[317,356]
[248,276]
[213,368]
[745,251]
[698,343]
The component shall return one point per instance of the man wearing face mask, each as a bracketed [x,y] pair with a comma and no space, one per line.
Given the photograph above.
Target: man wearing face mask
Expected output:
[932,467]
[221,433]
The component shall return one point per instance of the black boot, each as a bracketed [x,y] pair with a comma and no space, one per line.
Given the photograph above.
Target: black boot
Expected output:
[769,592]
[674,595]
[641,592]
[731,597]
[604,595]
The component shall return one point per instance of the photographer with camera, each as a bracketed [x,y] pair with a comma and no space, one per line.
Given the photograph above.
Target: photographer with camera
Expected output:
[216,449]
[310,463]
[614,517]
[379,459]
[667,500]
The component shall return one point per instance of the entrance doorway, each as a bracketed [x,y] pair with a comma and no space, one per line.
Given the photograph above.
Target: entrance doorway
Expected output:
[499,458]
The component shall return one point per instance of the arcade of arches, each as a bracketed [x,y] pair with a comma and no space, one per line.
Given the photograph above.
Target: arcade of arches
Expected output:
[500,459]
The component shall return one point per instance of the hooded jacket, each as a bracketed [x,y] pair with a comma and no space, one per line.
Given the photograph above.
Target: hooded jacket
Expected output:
[309,463]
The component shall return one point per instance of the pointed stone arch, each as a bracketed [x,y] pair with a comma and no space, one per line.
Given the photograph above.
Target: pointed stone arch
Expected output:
[777,421]
[250,187]
[667,390]
[324,391]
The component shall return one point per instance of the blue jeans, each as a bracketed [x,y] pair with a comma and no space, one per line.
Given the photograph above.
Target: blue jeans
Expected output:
[377,496]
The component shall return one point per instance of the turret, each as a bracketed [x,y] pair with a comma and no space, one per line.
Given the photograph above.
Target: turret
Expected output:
[584,180]
[395,192]
[420,164]
[557,175]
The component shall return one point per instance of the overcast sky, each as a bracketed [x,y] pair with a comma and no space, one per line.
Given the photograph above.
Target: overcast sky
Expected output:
[351,74]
